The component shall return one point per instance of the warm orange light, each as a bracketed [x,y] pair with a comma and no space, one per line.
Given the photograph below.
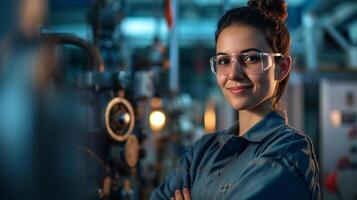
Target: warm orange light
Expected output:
[210,118]
[156,102]
[336,118]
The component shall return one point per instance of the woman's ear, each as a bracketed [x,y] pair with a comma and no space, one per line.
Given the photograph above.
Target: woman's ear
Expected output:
[282,68]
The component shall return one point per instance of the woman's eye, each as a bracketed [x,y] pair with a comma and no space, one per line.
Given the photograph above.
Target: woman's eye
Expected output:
[223,61]
[251,59]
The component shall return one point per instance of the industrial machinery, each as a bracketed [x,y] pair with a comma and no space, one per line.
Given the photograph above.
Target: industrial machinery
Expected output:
[338,138]
[111,151]
[125,101]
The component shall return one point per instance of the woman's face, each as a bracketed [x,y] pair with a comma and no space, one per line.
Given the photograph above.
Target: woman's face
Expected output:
[242,91]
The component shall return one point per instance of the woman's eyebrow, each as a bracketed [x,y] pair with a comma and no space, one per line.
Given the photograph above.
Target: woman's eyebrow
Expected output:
[221,53]
[250,49]
[243,51]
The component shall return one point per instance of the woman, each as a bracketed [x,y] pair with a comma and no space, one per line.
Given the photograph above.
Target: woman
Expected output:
[260,157]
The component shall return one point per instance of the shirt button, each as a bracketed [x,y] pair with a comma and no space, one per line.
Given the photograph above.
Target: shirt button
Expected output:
[218,173]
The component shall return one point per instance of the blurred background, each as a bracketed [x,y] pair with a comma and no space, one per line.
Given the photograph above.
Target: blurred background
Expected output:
[98,98]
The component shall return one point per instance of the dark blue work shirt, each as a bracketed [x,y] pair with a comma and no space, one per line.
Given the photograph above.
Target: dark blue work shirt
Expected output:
[270,161]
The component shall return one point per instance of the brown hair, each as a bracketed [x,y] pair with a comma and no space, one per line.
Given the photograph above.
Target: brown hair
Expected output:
[269,17]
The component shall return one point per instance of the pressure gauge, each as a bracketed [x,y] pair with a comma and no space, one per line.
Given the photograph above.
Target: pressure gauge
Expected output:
[119,119]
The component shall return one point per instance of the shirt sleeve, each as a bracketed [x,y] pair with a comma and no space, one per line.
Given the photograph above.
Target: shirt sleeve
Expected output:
[176,179]
[267,178]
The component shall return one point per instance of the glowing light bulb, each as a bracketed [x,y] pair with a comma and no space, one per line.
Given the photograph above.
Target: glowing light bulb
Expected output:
[157,120]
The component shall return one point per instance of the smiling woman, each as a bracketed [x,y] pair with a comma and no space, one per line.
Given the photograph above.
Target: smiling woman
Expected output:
[260,156]
[254,78]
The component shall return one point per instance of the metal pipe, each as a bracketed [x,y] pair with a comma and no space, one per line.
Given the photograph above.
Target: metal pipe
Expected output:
[174,50]
[311,41]
[66,38]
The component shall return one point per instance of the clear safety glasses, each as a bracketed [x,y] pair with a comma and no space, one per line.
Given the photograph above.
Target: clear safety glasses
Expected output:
[251,62]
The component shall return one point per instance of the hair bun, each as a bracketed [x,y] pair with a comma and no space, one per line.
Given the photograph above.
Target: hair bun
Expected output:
[273,8]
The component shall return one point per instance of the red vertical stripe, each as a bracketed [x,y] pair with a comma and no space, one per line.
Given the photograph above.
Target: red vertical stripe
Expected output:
[168,13]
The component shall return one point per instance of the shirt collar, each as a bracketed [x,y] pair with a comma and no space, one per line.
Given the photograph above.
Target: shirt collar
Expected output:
[258,132]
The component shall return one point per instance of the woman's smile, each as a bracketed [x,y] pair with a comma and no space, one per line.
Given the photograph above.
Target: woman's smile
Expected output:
[239,89]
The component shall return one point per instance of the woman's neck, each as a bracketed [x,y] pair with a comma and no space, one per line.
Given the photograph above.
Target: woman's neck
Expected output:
[248,118]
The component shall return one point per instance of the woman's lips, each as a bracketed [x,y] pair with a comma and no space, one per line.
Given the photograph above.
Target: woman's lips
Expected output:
[239,89]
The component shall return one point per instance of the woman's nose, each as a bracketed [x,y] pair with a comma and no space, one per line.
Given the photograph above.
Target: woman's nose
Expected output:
[235,71]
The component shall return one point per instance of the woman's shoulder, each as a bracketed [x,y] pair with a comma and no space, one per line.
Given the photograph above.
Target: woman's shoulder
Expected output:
[286,141]
[295,150]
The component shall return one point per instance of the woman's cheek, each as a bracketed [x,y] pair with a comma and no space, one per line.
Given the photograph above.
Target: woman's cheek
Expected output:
[221,80]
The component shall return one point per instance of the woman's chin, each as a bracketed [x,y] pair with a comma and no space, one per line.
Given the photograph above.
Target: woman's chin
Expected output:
[251,105]
[239,105]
